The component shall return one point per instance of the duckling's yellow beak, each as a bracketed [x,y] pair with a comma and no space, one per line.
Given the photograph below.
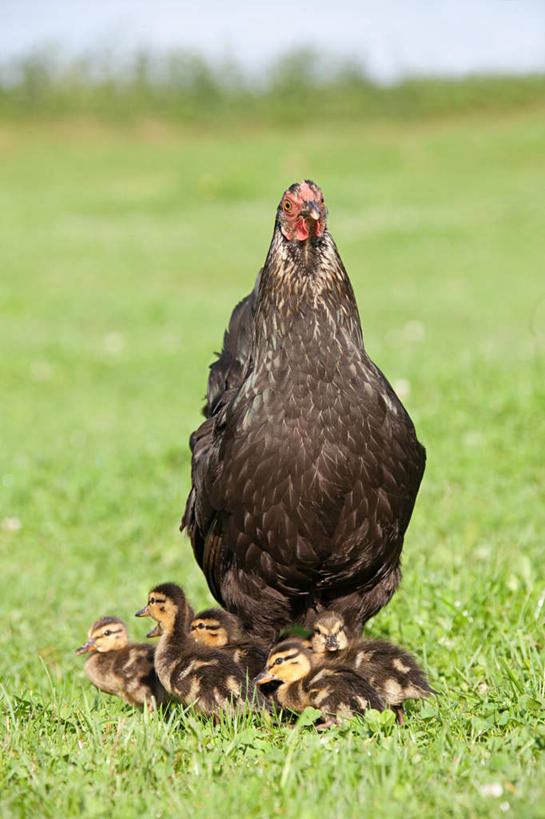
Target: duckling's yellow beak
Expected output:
[155,632]
[142,612]
[264,677]
[90,645]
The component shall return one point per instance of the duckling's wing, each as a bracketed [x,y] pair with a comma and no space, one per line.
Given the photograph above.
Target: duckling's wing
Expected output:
[341,690]
[135,666]
[361,687]
[250,655]
[390,660]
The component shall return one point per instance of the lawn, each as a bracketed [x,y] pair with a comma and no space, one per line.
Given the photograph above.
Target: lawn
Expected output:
[123,250]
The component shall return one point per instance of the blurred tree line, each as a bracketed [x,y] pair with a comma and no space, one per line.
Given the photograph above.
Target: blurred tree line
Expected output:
[185,87]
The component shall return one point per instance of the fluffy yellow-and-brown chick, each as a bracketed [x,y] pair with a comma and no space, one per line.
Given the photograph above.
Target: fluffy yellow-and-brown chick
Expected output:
[391,670]
[217,628]
[200,675]
[120,667]
[337,691]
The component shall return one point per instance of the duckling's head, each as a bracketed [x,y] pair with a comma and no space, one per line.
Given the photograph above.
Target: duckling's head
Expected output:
[168,606]
[213,627]
[106,634]
[288,662]
[329,633]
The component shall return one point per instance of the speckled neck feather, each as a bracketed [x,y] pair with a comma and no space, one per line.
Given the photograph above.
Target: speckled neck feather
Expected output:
[303,280]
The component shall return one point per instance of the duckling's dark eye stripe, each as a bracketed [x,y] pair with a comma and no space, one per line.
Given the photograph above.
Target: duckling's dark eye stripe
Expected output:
[195,626]
[285,657]
[157,600]
[107,633]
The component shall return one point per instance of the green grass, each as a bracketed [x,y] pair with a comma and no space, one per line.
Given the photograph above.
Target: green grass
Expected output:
[123,252]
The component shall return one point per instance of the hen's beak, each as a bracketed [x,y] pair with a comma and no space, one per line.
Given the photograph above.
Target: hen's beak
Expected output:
[90,645]
[155,632]
[264,677]
[142,612]
[311,209]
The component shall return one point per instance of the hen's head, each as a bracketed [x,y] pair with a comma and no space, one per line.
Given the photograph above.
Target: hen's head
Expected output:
[302,212]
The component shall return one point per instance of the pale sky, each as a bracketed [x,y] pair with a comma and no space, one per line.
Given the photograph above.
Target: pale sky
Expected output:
[391,37]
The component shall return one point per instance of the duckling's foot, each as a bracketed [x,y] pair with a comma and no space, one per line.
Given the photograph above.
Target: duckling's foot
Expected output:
[398,711]
[326,724]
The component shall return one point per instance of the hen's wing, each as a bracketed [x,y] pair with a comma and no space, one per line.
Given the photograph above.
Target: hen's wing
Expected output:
[227,371]
[226,375]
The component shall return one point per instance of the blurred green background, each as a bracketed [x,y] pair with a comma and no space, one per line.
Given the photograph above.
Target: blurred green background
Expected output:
[136,213]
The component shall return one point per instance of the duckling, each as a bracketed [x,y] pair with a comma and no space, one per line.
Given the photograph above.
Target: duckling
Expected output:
[214,627]
[393,672]
[196,674]
[218,628]
[337,691]
[119,667]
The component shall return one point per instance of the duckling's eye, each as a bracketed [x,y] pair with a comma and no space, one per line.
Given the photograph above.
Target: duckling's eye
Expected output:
[288,205]
[106,633]
[152,601]
[201,625]
[278,661]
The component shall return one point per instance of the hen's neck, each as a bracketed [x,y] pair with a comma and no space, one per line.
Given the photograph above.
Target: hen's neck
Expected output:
[304,282]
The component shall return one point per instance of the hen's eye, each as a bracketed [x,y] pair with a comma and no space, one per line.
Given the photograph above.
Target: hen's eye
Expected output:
[288,205]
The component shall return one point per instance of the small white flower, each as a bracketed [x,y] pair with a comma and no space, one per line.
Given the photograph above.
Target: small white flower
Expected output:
[504,807]
[11,524]
[539,605]
[494,789]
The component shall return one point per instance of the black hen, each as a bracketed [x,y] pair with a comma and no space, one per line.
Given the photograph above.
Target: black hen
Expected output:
[306,471]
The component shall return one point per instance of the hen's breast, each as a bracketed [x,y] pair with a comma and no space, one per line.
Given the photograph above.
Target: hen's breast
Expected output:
[307,459]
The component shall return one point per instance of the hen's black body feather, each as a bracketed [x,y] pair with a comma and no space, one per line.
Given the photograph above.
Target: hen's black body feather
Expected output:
[306,469]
